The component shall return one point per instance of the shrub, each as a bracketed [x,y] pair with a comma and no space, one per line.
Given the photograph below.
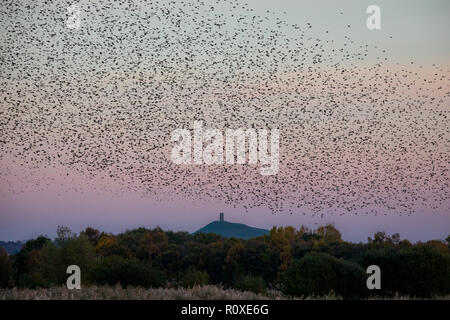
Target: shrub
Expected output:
[388,261]
[251,283]
[351,283]
[195,278]
[56,257]
[6,270]
[319,274]
[28,264]
[423,272]
[127,272]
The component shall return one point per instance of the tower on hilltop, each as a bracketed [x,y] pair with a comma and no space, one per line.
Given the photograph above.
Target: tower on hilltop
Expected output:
[221,217]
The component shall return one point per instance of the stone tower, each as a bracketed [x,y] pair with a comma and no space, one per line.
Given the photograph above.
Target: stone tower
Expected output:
[221,217]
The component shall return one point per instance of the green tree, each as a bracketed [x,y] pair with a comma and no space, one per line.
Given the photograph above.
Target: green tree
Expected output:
[6,269]
[194,277]
[68,249]
[329,233]
[28,264]
[233,259]
[251,283]
[92,234]
[424,271]
[319,274]
[382,239]
[126,272]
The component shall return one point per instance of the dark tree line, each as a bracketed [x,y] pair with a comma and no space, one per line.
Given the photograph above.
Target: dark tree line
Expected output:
[299,262]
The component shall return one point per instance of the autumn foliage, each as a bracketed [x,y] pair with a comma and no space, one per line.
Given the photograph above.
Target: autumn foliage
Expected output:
[298,262]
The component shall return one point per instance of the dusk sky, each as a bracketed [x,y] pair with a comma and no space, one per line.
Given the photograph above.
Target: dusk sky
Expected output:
[87,114]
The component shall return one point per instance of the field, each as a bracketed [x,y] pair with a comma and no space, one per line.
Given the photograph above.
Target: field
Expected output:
[207,292]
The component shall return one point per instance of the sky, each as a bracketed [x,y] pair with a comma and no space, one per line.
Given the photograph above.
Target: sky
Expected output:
[418,27]
[87,113]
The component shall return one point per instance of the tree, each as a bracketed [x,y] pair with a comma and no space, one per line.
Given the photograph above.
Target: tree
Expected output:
[387,259]
[6,269]
[126,272]
[251,283]
[382,239]
[329,233]
[107,245]
[425,271]
[28,263]
[151,244]
[256,260]
[63,234]
[310,276]
[234,258]
[195,277]
[280,244]
[92,234]
[301,262]
[70,250]
[319,274]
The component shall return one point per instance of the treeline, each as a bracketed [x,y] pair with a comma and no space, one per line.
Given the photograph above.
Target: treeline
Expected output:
[12,247]
[300,262]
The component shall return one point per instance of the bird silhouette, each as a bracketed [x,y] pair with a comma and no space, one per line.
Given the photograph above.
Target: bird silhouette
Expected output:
[360,134]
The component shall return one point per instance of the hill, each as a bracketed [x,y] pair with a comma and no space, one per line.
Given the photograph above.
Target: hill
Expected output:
[230,229]
[12,247]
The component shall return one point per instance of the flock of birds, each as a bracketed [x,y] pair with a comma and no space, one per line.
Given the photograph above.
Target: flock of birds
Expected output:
[359,133]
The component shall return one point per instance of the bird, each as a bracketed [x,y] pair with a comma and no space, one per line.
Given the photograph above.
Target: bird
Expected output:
[359,133]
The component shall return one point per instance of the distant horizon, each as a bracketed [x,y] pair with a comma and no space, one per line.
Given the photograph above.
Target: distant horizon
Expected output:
[362,116]
[115,230]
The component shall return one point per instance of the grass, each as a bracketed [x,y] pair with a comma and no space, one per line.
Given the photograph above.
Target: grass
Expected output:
[207,292]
